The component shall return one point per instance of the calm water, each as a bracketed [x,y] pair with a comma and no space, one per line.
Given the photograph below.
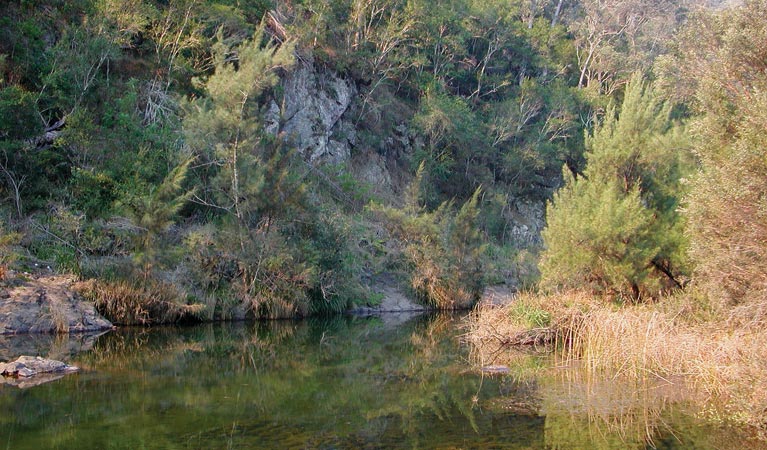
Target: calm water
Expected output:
[328,384]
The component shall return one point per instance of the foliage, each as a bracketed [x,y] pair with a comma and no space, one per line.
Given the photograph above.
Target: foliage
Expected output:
[101,99]
[223,129]
[444,248]
[154,211]
[7,239]
[722,56]
[18,115]
[616,228]
[93,193]
[597,235]
[280,255]
[454,158]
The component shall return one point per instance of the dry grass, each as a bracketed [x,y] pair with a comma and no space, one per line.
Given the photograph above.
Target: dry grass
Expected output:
[434,288]
[722,361]
[59,318]
[137,303]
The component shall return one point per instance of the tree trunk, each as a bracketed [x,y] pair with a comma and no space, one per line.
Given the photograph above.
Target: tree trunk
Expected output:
[556,13]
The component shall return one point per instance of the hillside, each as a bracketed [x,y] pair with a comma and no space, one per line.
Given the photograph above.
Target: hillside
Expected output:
[279,159]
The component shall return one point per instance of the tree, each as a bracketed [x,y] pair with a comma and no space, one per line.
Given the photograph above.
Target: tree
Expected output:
[456,151]
[597,236]
[724,76]
[224,129]
[443,247]
[154,211]
[614,38]
[616,228]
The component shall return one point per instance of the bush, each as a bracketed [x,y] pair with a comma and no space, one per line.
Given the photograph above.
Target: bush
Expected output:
[725,75]
[93,193]
[444,249]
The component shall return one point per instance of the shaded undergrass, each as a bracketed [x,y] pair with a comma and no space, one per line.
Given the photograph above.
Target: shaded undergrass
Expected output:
[718,355]
[137,302]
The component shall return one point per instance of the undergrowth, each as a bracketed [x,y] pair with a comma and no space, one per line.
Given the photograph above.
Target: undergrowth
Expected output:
[719,354]
[138,302]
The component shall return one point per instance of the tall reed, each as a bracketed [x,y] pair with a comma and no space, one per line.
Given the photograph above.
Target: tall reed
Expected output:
[722,362]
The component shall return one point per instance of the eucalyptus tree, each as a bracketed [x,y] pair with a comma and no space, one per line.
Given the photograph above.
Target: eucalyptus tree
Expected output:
[720,68]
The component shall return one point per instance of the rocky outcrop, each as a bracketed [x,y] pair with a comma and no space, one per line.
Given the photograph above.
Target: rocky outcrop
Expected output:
[47,305]
[318,114]
[528,218]
[498,295]
[385,168]
[314,105]
[393,301]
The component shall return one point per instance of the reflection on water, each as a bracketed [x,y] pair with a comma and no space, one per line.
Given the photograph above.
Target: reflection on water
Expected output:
[338,383]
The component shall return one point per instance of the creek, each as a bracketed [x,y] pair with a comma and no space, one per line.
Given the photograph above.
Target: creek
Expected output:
[395,381]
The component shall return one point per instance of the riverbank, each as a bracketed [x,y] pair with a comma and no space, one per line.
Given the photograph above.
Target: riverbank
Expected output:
[46,304]
[718,354]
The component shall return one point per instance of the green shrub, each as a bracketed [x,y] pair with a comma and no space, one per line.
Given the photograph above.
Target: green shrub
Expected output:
[444,248]
[93,193]
[617,228]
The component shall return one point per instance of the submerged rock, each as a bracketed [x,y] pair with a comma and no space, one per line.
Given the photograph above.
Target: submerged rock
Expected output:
[51,346]
[47,305]
[29,366]
[29,371]
[495,369]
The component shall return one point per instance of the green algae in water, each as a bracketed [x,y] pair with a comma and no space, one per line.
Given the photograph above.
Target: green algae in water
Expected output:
[329,384]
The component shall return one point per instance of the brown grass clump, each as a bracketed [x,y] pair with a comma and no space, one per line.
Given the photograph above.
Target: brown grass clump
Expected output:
[435,288]
[135,303]
[529,320]
[722,361]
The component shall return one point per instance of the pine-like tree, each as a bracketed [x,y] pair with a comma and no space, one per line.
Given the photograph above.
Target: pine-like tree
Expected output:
[616,228]
[154,211]
[224,128]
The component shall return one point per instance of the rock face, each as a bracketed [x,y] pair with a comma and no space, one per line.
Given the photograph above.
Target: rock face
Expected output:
[47,305]
[315,102]
[529,219]
[498,295]
[319,115]
[394,300]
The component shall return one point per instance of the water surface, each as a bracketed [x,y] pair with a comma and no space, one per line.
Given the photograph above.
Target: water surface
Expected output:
[331,384]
